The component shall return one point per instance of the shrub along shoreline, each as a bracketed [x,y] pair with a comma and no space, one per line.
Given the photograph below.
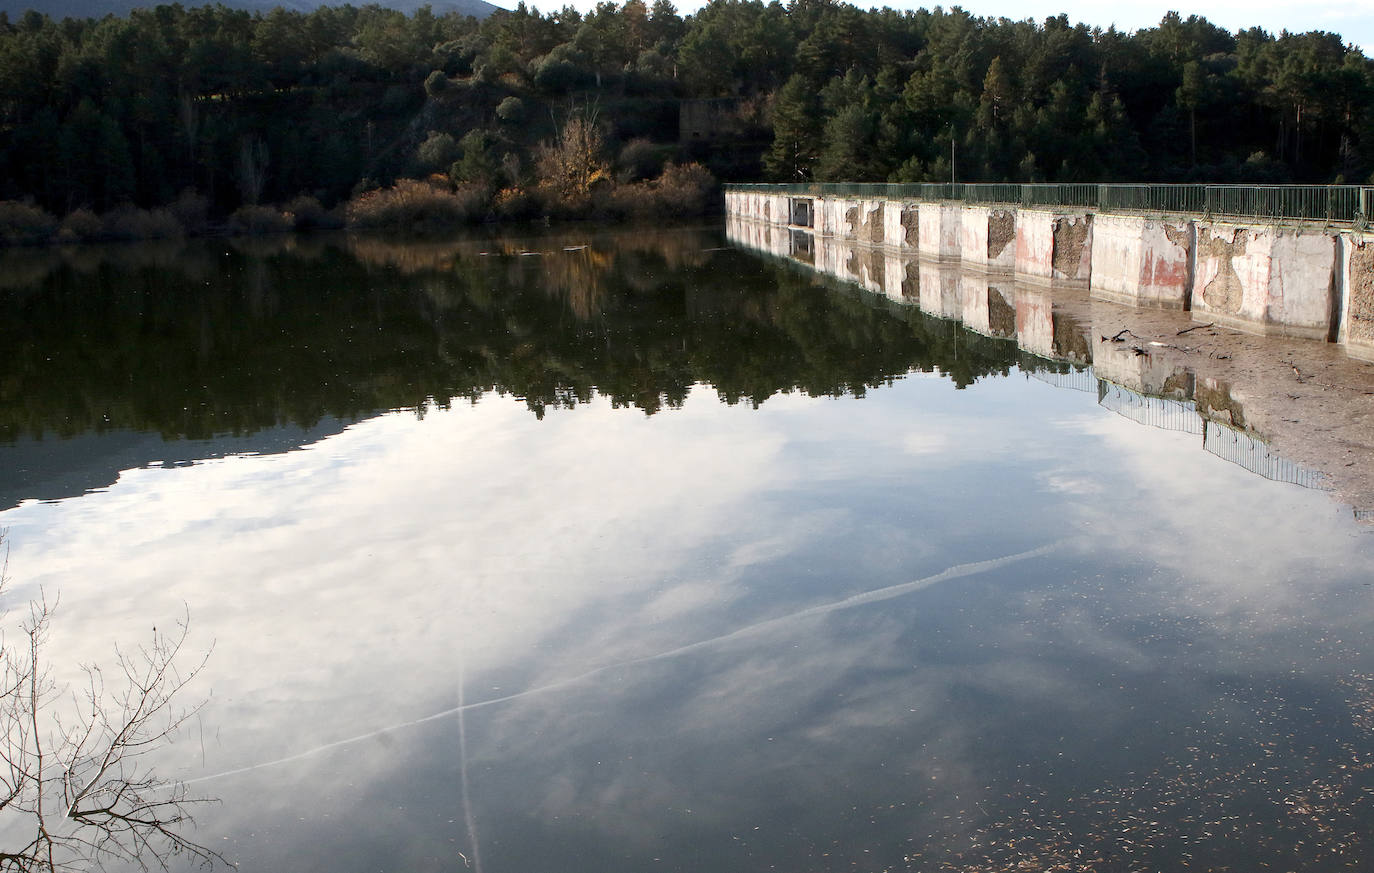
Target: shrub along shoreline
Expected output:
[420,205]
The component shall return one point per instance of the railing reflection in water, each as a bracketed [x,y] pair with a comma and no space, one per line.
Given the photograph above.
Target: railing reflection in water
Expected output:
[1245,450]
[1056,349]
[1159,412]
[1074,379]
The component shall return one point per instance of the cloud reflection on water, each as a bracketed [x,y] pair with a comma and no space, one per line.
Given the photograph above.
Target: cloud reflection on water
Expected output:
[345,584]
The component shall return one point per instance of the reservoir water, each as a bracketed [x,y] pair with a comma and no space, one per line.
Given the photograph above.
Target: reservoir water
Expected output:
[635,550]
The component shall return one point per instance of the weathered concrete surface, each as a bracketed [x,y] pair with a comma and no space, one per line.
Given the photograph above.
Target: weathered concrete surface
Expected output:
[1142,260]
[900,223]
[1054,245]
[1073,247]
[846,228]
[1002,238]
[894,235]
[1295,281]
[781,207]
[973,236]
[1035,244]
[987,237]
[1357,320]
[768,208]
[757,203]
[938,227]
[849,223]
[830,216]
[863,221]
[1266,280]
[939,290]
[874,228]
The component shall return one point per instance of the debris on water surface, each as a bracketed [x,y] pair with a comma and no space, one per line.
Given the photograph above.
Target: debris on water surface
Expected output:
[1225,804]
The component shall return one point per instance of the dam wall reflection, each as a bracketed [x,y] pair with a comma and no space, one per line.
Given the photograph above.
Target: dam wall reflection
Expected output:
[1075,342]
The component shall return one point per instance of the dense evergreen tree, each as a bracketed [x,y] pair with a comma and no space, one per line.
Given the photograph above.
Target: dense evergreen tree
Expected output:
[136,110]
[796,131]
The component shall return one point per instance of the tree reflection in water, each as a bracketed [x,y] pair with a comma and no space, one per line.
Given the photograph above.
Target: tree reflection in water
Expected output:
[77,786]
[241,336]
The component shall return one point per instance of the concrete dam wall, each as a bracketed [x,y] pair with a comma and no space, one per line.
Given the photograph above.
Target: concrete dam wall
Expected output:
[1293,411]
[1297,279]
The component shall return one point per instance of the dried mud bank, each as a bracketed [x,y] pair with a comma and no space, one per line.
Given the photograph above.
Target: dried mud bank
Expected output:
[1286,407]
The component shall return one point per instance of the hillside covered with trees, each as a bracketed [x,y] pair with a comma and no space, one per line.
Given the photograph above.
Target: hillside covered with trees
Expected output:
[101,8]
[207,110]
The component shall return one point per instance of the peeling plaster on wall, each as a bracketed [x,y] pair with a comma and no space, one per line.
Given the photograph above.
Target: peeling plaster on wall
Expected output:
[1001,232]
[911,223]
[1286,276]
[873,227]
[1070,239]
[1258,278]
[1167,273]
[1224,292]
[1177,235]
[1361,293]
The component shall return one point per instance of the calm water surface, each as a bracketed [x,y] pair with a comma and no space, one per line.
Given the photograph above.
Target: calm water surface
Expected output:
[632,551]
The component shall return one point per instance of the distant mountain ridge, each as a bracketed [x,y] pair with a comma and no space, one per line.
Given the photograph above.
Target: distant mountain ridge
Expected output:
[59,9]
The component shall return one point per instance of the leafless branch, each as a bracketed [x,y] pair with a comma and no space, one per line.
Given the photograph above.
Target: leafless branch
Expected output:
[82,787]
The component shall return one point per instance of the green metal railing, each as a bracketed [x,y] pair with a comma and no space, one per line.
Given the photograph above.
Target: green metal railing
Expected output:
[1332,204]
[1154,198]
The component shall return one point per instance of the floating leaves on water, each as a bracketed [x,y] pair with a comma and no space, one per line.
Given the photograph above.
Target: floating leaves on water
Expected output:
[1298,796]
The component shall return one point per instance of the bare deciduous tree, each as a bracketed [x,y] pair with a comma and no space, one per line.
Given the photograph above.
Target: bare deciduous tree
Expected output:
[573,163]
[77,786]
